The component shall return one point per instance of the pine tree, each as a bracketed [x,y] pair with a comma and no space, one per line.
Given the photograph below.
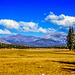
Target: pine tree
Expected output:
[73,42]
[69,39]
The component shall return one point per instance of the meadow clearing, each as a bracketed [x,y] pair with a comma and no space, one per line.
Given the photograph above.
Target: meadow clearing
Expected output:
[37,62]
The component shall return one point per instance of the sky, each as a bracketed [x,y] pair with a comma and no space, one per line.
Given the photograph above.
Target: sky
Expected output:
[36,17]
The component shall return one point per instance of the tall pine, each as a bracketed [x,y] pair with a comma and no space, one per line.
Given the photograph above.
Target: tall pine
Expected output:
[69,39]
[73,37]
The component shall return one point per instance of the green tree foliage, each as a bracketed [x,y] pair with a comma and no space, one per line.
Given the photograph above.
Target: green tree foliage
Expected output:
[9,46]
[70,38]
[73,37]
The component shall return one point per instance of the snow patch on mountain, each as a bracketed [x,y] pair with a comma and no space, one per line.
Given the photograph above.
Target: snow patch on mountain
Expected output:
[56,36]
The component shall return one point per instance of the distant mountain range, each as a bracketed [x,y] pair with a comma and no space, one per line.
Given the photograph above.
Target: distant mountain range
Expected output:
[50,39]
[19,38]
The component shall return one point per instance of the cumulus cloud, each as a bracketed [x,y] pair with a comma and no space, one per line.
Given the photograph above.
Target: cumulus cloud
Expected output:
[24,26]
[60,19]
[42,30]
[28,26]
[11,24]
[5,31]
[33,27]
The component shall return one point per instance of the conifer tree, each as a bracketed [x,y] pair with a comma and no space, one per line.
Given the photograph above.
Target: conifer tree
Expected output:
[73,42]
[69,39]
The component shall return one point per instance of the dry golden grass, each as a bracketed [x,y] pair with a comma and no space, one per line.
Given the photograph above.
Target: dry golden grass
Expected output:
[37,62]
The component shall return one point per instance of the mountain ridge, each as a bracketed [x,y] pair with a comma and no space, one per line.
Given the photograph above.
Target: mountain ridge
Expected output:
[45,40]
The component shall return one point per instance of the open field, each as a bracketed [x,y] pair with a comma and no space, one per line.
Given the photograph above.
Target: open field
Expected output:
[37,62]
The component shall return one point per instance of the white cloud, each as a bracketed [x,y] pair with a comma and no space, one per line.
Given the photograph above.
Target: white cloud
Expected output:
[24,26]
[5,31]
[28,26]
[10,24]
[49,30]
[33,27]
[61,19]
[42,30]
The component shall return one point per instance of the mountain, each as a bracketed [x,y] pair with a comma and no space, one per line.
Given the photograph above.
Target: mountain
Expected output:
[60,37]
[3,41]
[19,38]
[44,42]
[50,39]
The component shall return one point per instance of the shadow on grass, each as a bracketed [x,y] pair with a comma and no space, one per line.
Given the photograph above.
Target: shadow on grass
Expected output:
[67,62]
[68,69]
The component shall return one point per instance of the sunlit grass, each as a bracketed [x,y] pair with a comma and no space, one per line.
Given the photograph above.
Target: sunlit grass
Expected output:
[37,62]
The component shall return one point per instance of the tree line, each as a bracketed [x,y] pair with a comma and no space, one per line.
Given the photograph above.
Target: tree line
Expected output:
[9,46]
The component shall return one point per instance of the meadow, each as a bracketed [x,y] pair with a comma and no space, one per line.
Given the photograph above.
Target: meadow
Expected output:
[37,62]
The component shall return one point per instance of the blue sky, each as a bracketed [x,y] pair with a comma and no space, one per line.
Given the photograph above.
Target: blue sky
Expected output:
[36,17]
